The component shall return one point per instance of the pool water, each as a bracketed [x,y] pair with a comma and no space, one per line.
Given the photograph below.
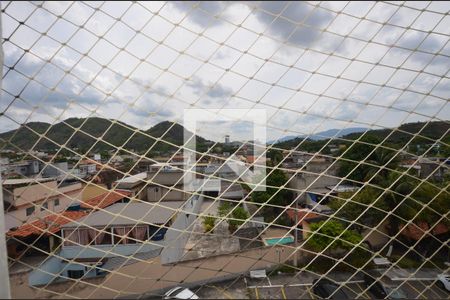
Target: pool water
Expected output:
[279,241]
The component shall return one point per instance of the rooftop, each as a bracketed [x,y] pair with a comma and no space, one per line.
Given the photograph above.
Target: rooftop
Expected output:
[133,178]
[130,213]
[105,199]
[25,181]
[302,214]
[46,225]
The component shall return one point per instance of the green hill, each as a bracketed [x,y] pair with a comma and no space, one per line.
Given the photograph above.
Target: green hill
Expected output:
[404,133]
[96,134]
[427,134]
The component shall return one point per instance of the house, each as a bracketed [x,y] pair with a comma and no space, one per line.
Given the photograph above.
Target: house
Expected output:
[317,172]
[60,169]
[45,229]
[166,184]
[136,184]
[429,167]
[304,218]
[94,242]
[25,168]
[28,199]
[87,168]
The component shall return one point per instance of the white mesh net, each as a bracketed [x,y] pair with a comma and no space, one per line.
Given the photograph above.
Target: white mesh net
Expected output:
[226,149]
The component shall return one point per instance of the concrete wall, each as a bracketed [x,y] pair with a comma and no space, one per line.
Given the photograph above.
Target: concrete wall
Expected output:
[56,169]
[176,239]
[32,193]
[57,267]
[306,181]
[158,193]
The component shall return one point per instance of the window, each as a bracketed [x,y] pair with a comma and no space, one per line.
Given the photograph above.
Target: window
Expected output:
[75,274]
[30,210]
[102,237]
[44,206]
[119,235]
[56,202]
[71,237]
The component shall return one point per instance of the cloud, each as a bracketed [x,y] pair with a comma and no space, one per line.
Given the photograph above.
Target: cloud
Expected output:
[217,91]
[167,79]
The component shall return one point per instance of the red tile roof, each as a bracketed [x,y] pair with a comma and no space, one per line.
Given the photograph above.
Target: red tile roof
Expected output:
[303,214]
[105,199]
[48,224]
[417,231]
[52,223]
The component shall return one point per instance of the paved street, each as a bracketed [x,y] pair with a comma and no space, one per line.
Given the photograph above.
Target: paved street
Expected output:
[300,288]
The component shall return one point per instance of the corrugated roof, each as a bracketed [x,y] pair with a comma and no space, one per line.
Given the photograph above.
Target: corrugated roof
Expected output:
[48,224]
[105,199]
[130,213]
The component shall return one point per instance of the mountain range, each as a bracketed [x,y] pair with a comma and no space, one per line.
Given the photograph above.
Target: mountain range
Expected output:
[323,135]
[82,134]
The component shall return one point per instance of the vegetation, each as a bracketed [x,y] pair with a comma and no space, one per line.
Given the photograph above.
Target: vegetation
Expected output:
[239,215]
[324,235]
[393,195]
[398,138]
[274,194]
[208,223]
[224,208]
[113,134]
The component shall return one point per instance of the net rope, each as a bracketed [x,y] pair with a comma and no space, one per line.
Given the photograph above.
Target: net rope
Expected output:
[108,60]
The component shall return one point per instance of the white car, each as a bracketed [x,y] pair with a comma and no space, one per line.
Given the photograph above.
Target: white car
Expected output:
[444,281]
[180,293]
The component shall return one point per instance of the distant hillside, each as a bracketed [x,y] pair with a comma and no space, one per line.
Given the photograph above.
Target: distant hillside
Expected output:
[431,131]
[117,133]
[323,135]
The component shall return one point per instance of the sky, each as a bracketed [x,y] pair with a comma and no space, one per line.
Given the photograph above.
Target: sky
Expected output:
[311,66]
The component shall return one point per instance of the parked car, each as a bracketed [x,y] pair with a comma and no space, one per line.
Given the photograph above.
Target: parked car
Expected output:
[444,282]
[180,293]
[382,289]
[327,289]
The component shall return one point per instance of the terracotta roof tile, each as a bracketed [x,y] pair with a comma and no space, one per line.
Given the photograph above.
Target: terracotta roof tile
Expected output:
[417,231]
[48,224]
[302,214]
[105,199]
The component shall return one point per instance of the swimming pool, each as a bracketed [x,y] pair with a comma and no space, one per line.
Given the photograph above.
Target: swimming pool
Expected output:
[279,240]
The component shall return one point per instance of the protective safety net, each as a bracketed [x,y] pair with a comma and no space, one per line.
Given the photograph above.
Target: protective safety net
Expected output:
[225,149]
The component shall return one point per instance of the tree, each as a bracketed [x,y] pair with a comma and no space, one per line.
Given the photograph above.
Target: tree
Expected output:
[402,195]
[274,194]
[239,215]
[325,234]
[354,154]
[275,156]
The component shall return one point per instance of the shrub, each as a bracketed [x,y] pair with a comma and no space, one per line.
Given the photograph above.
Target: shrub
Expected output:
[208,223]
